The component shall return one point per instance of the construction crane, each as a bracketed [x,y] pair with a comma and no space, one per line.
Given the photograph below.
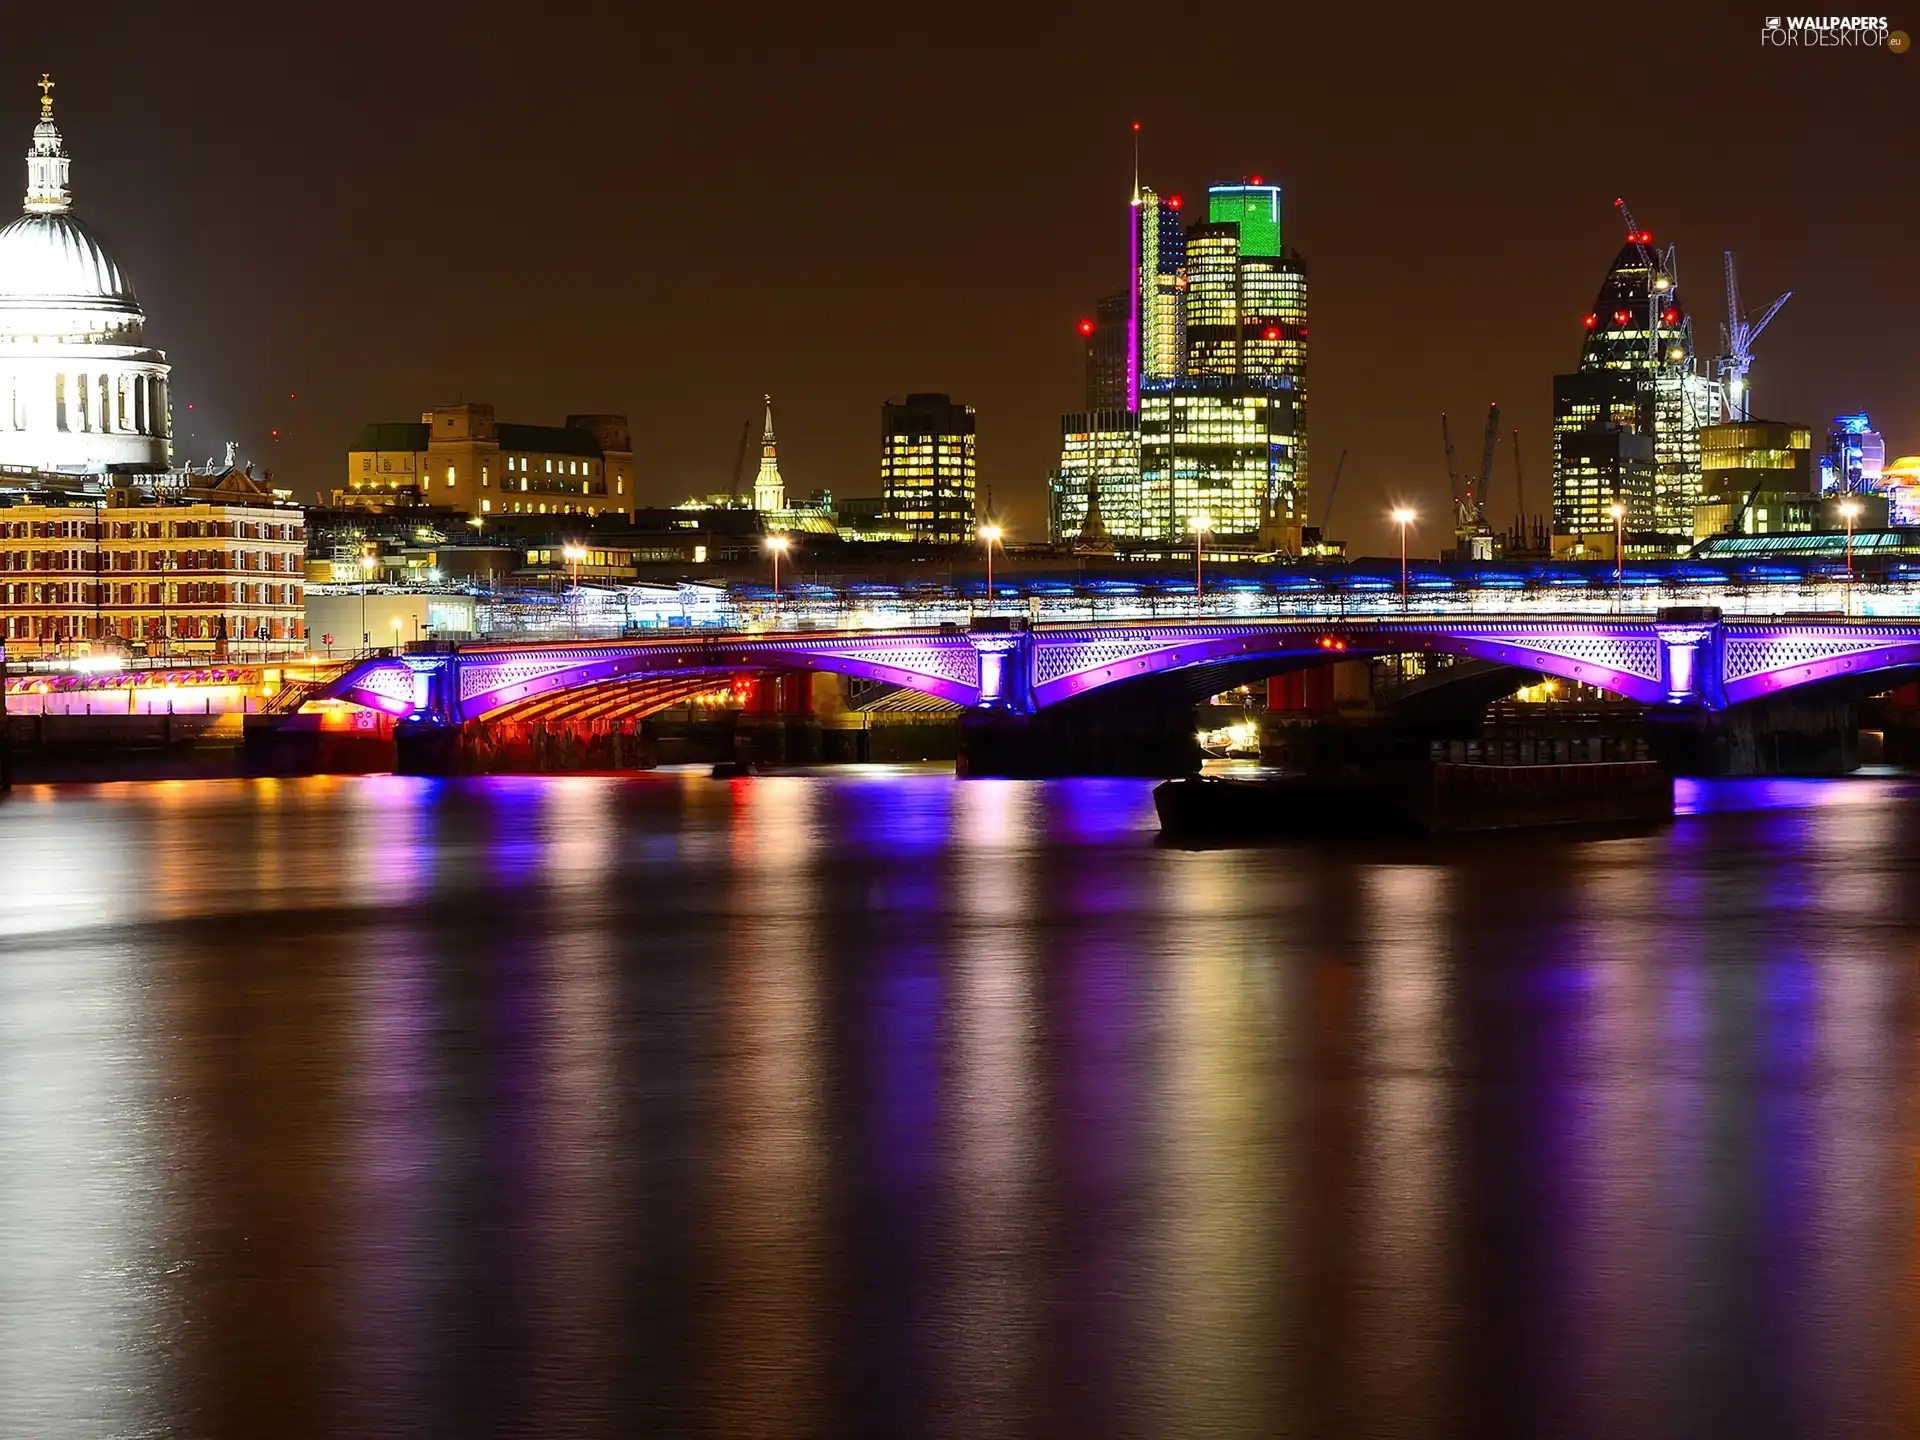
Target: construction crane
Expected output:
[1519,482]
[1470,512]
[1326,514]
[1487,445]
[740,461]
[1736,340]
[1453,470]
[1663,277]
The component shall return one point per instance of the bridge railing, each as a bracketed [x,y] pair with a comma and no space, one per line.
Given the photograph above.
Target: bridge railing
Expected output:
[842,611]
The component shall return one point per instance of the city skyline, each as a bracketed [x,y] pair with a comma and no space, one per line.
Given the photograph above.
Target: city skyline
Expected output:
[1450,268]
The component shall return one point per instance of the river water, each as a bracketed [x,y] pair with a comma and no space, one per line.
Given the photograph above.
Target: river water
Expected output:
[883,1104]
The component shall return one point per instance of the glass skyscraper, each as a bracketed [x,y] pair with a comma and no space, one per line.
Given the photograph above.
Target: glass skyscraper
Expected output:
[1626,422]
[1157,328]
[1224,451]
[1107,357]
[1217,384]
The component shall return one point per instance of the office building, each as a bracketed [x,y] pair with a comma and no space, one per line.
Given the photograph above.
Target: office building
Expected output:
[1217,412]
[1854,458]
[82,394]
[459,457]
[217,569]
[1900,480]
[1157,335]
[1106,338]
[1756,478]
[1225,440]
[1246,305]
[1223,453]
[1099,466]
[1626,421]
[927,468]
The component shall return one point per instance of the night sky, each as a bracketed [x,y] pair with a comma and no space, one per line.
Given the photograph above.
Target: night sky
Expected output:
[375,208]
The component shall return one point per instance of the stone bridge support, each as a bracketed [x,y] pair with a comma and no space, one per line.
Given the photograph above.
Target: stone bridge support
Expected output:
[1813,731]
[1798,733]
[1143,728]
[778,724]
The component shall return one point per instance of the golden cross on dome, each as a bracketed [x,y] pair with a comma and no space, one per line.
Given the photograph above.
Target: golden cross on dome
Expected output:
[47,83]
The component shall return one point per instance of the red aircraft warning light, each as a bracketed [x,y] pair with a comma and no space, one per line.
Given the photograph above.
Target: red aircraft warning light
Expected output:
[1086,327]
[1592,320]
[1273,332]
[1174,202]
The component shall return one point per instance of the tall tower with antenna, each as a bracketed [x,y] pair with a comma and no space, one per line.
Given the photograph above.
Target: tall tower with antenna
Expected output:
[1157,266]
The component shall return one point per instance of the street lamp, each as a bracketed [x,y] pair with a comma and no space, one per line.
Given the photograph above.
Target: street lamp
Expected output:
[989,533]
[573,555]
[369,562]
[1850,510]
[1403,517]
[1619,513]
[398,625]
[1201,524]
[776,547]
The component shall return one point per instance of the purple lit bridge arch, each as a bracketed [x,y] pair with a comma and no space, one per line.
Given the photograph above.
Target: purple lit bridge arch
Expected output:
[1691,659]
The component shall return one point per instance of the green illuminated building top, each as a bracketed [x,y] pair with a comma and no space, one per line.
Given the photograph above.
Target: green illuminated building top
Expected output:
[1255,208]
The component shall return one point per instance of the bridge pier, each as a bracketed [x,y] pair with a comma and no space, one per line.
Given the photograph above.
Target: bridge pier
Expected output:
[1148,731]
[1790,735]
[777,724]
[1696,732]
[426,749]
[520,747]
[1154,742]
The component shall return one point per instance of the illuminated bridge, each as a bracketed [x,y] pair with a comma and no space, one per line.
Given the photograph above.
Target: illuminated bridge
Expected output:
[1690,658]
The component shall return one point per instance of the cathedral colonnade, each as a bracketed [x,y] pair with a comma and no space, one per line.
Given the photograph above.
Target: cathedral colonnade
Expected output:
[82,398]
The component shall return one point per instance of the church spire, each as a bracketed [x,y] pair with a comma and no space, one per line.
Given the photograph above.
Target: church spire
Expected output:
[47,162]
[769,490]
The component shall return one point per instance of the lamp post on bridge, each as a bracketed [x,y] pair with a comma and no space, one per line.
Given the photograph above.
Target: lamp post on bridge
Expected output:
[1850,510]
[776,547]
[368,561]
[573,555]
[1619,513]
[989,533]
[1201,525]
[1403,517]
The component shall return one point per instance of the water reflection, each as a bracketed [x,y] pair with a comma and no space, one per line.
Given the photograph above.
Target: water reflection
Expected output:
[887,1104]
[84,1285]
[1405,966]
